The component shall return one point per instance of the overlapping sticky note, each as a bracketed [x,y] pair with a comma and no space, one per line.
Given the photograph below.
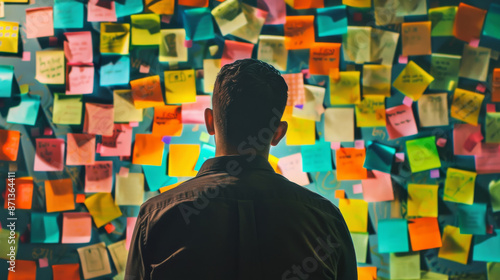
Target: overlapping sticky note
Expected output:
[370,112]
[98,119]
[379,157]
[424,234]
[156,176]
[492,127]
[459,186]
[23,270]
[129,190]
[422,154]
[167,121]
[96,11]
[272,50]
[475,62]
[39,22]
[400,122]
[6,78]
[468,22]
[234,50]
[147,92]
[77,227]
[26,112]
[392,236]
[67,109]
[49,154]
[433,109]
[291,168]
[360,242]
[99,177]
[472,218]
[102,208]
[490,37]
[24,193]
[124,109]
[95,261]
[456,246]
[229,16]
[182,160]
[377,187]
[376,80]
[10,144]
[198,24]
[442,20]
[355,212]
[44,228]
[50,67]
[422,200]
[172,45]
[300,131]
[412,81]
[356,44]
[59,195]
[445,69]
[346,88]
[317,157]
[332,21]
[145,29]
[115,38]
[115,70]
[119,144]
[296,92]
[207,151]
[299,32]
[81,149]
[148,149]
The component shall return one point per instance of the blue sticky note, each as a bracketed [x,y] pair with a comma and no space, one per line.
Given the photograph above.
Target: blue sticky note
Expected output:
[393,236]
[44,227]
[379,157]
[156,176]
[128,8]
[198,24]
[115,70]
[317,157]
[491,29]
[6,76]
[487,248]
[207,151]
[332,21]
[68,14]
[472,218]
[26,112]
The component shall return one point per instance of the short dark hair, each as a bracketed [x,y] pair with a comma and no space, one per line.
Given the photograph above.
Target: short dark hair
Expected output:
[249,96]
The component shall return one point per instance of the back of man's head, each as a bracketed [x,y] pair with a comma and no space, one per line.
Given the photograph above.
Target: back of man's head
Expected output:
[248,101]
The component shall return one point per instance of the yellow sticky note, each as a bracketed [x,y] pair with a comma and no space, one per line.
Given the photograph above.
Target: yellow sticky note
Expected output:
[50,67]
[161,7]
[182,160]
[67,109]
[416,38]
[456,246]
[300,131]
[377,79]
[148,149]
[412,81]
[169,187]
[9,41]
[345,89]
[180,86]
[124,109]
[459,186]
[371,111]
[358,3]
[102,208]
[355,212]
[274,163]
[145,29]
[129,190]
[211,68]
[466,105]
[422,200]
[115,38]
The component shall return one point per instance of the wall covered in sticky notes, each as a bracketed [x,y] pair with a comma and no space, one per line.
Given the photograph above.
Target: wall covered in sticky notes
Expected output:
[391,111]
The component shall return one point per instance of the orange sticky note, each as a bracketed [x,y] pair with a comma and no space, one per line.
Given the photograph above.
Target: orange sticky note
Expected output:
[99,119]
[24,193]
[169,187]
[194,3]
[367,273]
[416,38]
[167,121]
[308,4]
[109,228]
[9,142]
[148,149]
[24,270]
[77,228]
[468,22]
[349,162]
[80,198]
[59,195]
[299,32]
[456,246]
[81,149]
[495,85]
[424,233]
[66,271]
[146,92]
[340,194]
[323,57]
[182,160]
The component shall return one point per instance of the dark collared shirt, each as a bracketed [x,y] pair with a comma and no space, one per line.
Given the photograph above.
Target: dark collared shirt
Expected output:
[238,219]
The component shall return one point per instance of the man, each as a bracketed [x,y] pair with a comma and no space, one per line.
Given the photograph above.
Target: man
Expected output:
[238,219]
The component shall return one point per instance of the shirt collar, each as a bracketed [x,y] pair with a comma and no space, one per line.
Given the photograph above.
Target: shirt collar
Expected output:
[230,164]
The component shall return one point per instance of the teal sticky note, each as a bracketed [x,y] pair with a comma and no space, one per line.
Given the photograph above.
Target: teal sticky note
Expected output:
[379,157]
[156,176]
[44,228]
[6,76]
[491,28]
[68,14]
[392,236]
[26,112]
[129,7]
[472,218]
[332,21]
[198,24]
[317,157]
[115,70]
[486,248]
[207,151]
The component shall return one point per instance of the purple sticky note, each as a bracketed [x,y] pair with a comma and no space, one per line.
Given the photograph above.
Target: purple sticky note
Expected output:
[166,139]
[407,101]
[299,106]
[335,145]
[359,144]
[400,157]
[435,173]
[43,262]
[441,142]
[403,59]
[357,188]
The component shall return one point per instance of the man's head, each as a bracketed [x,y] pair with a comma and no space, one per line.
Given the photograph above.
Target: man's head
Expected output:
[248,101]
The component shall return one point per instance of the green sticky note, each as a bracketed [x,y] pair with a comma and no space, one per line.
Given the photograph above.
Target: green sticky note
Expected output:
[5,246]
[204,137]
[429,275]
[405,265]
[472,218]
[393,236]
[360,241]
[317,157]
[442,19]
[445,69]
[494,188]
[422,154]
[492,127]
[44,228]
[493,269]
[67,109]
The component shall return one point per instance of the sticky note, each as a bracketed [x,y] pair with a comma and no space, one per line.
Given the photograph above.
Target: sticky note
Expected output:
[317,157]
[26,112]
[356,44]
[49,154]
[119,144]
[422,154]
[43,262]
[96,11]
[102,208]
[229,16]
[346,89]
[23,270]
[167,121]
[340,194]
[10,144]
[198,24]
[207,151]
[145,29]
[44,228]
[296,92]
[129,190]
[433,110]
[81,149]
[456,246]
[195,112]
[272,50]
[66,271]
[418,7]
[489,36]
[131,222]
[182,160]
[494,189]
[4,249]
[115,38]
[472,218]
[360,242]
[323,57]
[428,275]
[24,193]
[466,105]
[50,67]
[6,78]
[172,47]
[383,45]
[475,62]
[98,119]
[424,234]
[493,270]
[300,131]
[404,265]
[392,236]
[400,157]
[234,50]
[180,86]
[148,149]
[445,70]
[80,79]
[299,32]
[99,177]
[313,106]
[169,187]
[9,42]
[147,92]
[115,70]
[468,22]
[355,212]
[367,272]
[80,198]
[339,124]
[94,259]
[483,248]
[255,21]
[377,187]
[67,109]
[400,122]
[124,109]
[78,47]
[412,81]
[442,20]
[68,14]
[39,22]
[119,255]
[331,21]
[291,168]
[349,162]
[376,80]
[77,227]
[59,195]
[416,38]
[492,127]
[422,200]
[379,157]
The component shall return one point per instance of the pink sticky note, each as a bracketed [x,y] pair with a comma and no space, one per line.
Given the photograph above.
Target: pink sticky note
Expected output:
[491,108]
[119,144]
[481,88]
[378,187]
[26,56]
[335,145]
[472,140]
[77,227]
[98,119]
[357,188]
[49,154]
[434,173]
[166,18]
[400,157]
[101,11]
[276,11]
[291,168]
[403,59]
[130,230]
[234,50]
[98,177]
[407,101]
[474,43]
[400,122]
[78,48]
[487,164]
[43,262]
[47,131]
[462,145]
[81,149]
[123,171]
[80,79]
[188,43]
[39,22]
[98,149]
[359,144]
[296,91]
[306,73]
[194,113]
[53,41]
[144,69]
[441,142]
[134,124]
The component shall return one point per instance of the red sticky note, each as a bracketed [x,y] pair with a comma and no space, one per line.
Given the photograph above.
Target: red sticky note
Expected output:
[80,198]
[480,87]
[491,108]
[339,194]
[66,271]
[109,228]
[9,146]
[472,140]
[24,270]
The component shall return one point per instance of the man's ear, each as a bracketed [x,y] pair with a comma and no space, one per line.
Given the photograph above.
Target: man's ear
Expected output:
[279,133]
[209,121]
